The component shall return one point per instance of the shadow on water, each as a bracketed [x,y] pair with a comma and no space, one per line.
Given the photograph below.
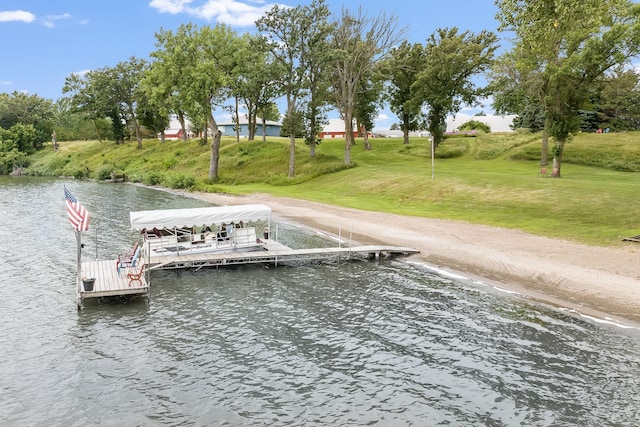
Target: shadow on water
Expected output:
[133,306]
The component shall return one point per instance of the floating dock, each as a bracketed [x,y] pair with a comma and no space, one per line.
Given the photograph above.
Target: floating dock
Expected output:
[110,282]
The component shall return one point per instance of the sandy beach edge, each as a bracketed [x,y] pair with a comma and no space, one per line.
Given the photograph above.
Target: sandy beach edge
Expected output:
[601,283]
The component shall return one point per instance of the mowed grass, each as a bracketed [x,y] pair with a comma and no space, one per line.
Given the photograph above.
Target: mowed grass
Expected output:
[491,179]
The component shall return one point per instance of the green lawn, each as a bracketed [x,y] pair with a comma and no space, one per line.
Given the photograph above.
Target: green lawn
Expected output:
[490,179]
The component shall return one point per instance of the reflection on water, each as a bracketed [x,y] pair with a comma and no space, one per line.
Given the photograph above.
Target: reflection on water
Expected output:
[312,344]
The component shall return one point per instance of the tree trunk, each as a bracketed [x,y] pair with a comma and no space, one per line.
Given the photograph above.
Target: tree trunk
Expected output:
[251,125]
[312,149]
[292,155]
[215,148]
[54,141]
[136,126]
[215,155]
[348,136]
[311,135]
[95,124]
[291,107]
[264,129]
[365,135]
[405,130]
[557,158]
[237,123]
[182,126]
[544,155]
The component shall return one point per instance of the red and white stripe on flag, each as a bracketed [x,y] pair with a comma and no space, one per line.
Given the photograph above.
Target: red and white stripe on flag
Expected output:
[77,214]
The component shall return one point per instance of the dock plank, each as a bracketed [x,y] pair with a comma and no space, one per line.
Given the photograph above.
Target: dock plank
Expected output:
[281,254]
[108,281]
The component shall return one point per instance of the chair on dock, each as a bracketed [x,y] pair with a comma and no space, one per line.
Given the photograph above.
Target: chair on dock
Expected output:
[135,274]
[128,261]
[131,253]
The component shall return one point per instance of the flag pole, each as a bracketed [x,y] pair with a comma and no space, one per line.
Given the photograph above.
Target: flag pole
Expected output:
[79,218]
[78,276]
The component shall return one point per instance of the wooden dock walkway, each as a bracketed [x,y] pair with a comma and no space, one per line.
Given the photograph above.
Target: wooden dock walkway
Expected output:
[108,281]
[274,254]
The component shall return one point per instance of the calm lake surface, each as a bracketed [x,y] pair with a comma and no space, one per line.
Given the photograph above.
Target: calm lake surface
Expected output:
[355,343]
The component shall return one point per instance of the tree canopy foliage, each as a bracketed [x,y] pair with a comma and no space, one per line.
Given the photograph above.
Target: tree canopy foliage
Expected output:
[562,50]
[404,64]
[566,70]
[297,39]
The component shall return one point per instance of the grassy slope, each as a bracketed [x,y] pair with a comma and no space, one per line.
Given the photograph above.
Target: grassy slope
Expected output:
[491,179]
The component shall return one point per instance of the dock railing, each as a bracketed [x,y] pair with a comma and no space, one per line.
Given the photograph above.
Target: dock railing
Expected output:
[234,238]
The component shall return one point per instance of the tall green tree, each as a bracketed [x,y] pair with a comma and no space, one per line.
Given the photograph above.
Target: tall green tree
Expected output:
[367,105]
[31,110]
[403,65]
[152,116]
[318,58]
[446,82]
[267,111]
[86,99]
[619,99]
[257,79]
[571,44]
[360,43]
[70,126]
[206,56]
[293,125]
[520,89]
[165,75]
[111,92]
[289,32]
[127,77]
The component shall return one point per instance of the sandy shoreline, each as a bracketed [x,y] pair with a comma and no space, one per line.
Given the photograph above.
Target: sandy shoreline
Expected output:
[595,281]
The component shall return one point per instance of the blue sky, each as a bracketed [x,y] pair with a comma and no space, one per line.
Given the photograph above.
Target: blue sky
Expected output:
[42,42]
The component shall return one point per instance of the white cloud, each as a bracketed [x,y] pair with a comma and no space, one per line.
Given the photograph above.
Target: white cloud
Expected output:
[223,118]
[50,20]
[80,73]
[172,7]
[17,15]
[383,121]
[231,12]
[5,83]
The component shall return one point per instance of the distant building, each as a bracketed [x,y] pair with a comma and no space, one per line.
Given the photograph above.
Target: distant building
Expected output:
[400,134]
[174,131]
[335,129]
[229,128]
[390,134]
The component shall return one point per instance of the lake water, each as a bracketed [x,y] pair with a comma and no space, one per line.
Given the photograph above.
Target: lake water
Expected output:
[338,344]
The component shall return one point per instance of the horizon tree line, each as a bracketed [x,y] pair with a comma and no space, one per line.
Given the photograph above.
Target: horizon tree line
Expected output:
[568,65]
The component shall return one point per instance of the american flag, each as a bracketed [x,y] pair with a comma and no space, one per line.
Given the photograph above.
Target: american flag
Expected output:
[77,214]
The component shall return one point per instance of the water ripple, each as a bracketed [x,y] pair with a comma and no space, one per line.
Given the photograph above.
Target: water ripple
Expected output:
[318,345]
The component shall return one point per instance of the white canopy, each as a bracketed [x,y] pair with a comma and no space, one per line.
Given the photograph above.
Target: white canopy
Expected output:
[198,217]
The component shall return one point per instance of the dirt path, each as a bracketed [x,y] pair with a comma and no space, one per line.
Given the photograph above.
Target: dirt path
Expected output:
[601,282]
